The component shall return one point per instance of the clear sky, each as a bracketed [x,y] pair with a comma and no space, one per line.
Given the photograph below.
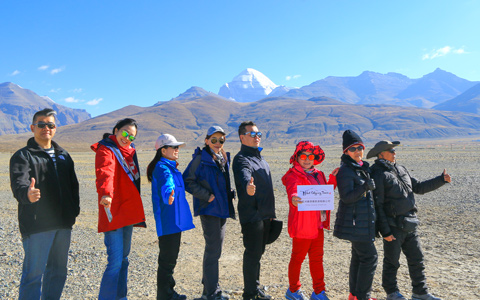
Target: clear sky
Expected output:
[102,55]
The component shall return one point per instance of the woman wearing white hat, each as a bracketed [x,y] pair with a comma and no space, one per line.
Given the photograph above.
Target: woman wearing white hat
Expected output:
[171,211]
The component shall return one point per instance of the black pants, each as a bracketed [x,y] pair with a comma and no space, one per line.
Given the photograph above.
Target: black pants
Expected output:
[362,269]
[167,259]
[409,244]
[214,234]
[255,235]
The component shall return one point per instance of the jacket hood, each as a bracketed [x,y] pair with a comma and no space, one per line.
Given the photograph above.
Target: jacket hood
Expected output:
[109,141]
[297,169]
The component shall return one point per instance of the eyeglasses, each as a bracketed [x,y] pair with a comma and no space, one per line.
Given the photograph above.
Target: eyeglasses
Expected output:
[254,134]
[173,147]
[359,148]
[42,125]
[215,140]
[391,150]
[130,137]
[304,157]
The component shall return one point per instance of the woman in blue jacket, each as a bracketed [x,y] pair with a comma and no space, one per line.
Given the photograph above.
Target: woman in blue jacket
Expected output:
[207,178]
[171,211]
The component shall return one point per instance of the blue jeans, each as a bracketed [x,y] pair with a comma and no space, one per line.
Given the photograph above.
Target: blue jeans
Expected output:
[114,281]
[46,255]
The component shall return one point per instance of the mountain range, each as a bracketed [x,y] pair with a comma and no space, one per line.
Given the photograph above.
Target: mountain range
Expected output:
[367,88]
[302,113]
[18,105]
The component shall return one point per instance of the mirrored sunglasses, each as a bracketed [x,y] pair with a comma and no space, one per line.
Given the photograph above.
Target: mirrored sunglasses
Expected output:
[254,134]
[359,148]
[215,140]
[304,157]
[130,137]
[42,125]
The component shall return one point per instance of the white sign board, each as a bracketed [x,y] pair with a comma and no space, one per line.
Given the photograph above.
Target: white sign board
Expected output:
[315,197]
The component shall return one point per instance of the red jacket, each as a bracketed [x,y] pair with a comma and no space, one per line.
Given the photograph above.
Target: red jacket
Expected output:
[112,180]
[304,224]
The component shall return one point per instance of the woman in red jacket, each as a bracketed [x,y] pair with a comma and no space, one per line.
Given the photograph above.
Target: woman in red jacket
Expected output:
[306,227]
[119,203]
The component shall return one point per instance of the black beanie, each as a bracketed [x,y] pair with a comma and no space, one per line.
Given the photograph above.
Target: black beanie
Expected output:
[350,138]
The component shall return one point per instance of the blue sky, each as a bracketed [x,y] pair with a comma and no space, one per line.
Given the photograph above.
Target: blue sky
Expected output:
[104,55]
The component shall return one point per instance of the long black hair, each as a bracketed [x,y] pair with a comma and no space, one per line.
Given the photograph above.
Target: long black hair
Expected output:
[153,163]
[120,124]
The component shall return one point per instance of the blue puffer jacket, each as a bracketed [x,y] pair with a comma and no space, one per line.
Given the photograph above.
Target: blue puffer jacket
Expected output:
[203,177]
[169,218]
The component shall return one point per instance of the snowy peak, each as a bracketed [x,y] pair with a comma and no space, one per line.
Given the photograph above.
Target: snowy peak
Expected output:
[250,85]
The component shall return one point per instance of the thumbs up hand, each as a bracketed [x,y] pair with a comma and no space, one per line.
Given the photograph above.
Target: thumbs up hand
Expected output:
[251,187]
[446,177]
[33,193]
[171,198]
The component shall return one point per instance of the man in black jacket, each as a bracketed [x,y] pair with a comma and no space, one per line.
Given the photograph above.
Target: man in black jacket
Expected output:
[44,182]
[397,220]
[256,206]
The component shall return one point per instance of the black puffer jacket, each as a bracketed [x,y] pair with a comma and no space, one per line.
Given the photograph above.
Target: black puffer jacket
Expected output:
[249,163]
[59,204]
[394,193]
[356,212]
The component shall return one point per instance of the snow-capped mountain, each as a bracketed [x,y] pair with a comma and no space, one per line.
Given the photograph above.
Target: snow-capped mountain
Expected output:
[250,85]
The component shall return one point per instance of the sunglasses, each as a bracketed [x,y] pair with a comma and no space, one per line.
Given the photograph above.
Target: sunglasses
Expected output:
[173,147]
[391,150]
[359,148]
[304,157]
[254,134]
[42,125]
[130,137]
[215,140]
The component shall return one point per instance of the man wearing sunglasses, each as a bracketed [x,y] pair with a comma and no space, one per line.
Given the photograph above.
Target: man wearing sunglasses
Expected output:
[256,205]
[43,180]
[397,220]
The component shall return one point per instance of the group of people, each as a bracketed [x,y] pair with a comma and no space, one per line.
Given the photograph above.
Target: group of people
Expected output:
[373,200]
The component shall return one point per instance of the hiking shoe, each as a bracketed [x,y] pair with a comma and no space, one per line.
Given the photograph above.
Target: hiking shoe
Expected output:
[351,297]
[319,296]
[262,296]
[177,296]
[298,295]
[395,296]
[218,296]
[424,297]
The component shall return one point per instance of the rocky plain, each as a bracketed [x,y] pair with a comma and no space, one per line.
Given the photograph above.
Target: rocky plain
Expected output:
[450,233]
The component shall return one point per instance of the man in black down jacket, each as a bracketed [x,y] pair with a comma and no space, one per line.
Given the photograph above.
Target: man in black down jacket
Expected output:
[396,219]
[256,206]
[43,181]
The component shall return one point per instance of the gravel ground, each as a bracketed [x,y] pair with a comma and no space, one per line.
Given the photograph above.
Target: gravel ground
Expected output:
[449,233]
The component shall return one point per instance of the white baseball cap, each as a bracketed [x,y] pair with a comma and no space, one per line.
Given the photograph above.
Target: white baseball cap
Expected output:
[167,140]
